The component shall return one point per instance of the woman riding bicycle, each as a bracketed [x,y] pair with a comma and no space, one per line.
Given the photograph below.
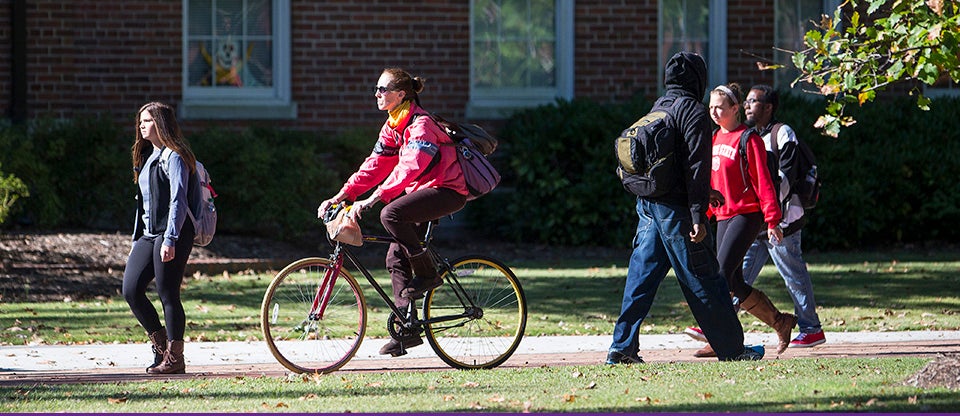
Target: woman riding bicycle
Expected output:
[417,175]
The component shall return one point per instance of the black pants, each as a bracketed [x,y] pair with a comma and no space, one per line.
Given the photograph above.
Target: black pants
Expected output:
[406,218]
[143,266]
[734,237]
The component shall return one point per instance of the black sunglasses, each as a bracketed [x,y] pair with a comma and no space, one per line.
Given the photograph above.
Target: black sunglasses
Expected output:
[382,90]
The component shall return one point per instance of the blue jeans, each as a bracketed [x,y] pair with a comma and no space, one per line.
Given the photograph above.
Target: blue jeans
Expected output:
[788,258]
[662,241]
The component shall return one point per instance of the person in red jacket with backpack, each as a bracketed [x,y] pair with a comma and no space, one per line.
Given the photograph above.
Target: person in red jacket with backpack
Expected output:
[750,202]
[413,169]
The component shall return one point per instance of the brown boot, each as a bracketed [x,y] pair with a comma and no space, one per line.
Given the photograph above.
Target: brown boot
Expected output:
[172,360]
[425,276]
[705,352]
[158,340]
[759,305]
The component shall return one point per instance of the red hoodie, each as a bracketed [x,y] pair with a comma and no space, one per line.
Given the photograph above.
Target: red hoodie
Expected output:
[728,178]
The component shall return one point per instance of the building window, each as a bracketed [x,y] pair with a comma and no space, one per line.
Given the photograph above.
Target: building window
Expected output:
[944,87]
[236,59]
[793,19]
[697,26]
[521,55]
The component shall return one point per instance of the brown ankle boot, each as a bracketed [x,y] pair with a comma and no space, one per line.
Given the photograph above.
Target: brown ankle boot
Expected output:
[158,341]
[705,352]
[172,360]
[425,276]
[759,305]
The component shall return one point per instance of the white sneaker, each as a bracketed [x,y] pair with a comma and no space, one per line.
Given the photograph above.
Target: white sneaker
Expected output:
[695,333]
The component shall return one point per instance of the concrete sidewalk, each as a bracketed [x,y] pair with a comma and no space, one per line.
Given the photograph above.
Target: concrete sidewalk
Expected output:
[20,360]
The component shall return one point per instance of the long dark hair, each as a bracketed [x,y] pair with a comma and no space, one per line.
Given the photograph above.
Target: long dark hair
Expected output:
[165,121]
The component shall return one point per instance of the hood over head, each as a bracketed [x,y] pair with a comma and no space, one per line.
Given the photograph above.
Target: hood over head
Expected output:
[686,71]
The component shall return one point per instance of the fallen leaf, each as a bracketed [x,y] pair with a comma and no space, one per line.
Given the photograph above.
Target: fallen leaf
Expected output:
[470,384]
[593,384]
[116,400]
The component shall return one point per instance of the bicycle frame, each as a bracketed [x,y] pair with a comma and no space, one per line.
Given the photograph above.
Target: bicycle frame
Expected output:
[340,251]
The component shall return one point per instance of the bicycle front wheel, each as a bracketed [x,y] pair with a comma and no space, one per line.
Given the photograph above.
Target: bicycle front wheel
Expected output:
[308,335]
[480,314]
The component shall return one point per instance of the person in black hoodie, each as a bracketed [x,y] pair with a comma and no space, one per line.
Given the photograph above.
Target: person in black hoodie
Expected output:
[673,232]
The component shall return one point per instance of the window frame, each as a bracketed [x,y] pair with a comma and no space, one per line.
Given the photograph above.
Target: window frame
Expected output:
[271,103]
[716,58]
[826,7]
[499,103]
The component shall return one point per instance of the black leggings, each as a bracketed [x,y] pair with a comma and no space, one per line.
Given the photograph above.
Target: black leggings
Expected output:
[144,265]
[405,218]
[734,237]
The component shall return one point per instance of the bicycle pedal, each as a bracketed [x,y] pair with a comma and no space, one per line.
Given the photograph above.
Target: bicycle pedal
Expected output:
[398,353]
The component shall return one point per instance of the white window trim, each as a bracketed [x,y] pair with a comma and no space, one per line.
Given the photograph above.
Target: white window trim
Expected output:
[717,38]
[502,103]
[267,103]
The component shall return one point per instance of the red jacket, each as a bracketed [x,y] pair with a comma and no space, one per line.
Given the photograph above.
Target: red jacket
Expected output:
[412,156]
[727,177]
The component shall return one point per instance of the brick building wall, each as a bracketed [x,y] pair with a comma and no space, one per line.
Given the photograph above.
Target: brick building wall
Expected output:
[750,37]
[6,58]
[108,57]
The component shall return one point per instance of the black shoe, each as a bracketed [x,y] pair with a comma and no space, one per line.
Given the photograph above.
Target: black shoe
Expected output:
[418,287]
[617,357]
[396,348]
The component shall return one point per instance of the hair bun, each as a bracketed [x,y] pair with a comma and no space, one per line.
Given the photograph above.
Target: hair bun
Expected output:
[417,84]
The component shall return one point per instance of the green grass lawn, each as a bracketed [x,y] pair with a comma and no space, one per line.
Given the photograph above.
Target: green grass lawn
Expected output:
[868,291]
[855,292]
[798,385]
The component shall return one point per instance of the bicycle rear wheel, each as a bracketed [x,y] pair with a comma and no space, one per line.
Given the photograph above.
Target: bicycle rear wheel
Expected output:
[312,343]
[491,312]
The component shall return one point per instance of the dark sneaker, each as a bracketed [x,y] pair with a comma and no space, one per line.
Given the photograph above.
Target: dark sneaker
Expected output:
[805,340]
[750,353]
[617,357]
[396,348]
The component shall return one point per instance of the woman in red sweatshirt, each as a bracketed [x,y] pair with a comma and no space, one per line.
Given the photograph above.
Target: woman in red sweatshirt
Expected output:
[750,203]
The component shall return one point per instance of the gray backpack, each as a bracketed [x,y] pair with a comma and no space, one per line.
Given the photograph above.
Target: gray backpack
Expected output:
[200,195]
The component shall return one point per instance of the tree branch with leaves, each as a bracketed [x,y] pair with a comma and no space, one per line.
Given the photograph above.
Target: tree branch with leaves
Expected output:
[867,46]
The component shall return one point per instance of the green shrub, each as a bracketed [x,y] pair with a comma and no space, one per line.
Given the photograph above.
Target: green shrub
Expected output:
[73,168]
[11,189]
[270,182]
[889,179]
[559,182]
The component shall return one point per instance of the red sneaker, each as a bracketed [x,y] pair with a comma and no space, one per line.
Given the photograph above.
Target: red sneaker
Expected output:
[804,340]
[695,333]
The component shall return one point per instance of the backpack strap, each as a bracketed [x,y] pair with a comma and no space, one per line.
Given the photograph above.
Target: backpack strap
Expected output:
[164,160]
[436,159]
[744,138]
